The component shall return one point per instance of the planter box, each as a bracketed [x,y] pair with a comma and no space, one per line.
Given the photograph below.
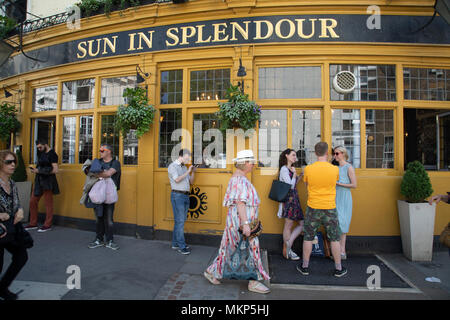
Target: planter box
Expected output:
[24,189]
[417,228]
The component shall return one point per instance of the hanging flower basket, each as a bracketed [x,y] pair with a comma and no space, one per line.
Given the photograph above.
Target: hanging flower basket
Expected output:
[8,121]
[238,111]
[137,115]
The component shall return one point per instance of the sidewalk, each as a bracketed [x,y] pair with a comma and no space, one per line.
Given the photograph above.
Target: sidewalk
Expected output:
[144,269]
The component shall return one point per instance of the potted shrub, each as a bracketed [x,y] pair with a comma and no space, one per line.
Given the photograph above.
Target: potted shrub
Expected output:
[23,186]
[238,111]
[8,121]
[138,114]
[415,214]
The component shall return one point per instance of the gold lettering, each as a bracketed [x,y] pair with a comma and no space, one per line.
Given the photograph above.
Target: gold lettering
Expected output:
[200,35]
[110,45]
[131,36]
[148,41]
[82,49]
[185,34]
[258,29]
[291,29]
[218,32]
[90,47]
[325,27]
[300,28]
[172,36]
[244,33]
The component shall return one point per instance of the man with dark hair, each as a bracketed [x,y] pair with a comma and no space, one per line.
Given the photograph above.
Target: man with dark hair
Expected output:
[45,184]
[181,179]
[320,178]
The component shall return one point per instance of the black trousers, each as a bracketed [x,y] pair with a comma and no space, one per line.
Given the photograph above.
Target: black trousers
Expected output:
[19,258]
[105,223]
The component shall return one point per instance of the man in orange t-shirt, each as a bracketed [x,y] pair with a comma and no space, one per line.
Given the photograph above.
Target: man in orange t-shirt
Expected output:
[320,178]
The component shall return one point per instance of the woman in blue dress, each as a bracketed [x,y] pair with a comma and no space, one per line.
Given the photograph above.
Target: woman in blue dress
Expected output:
[347,181]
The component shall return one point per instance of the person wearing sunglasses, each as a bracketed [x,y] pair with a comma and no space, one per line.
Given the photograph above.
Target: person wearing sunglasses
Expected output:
[11,213]
[104,212]
[347,181]
[45,184]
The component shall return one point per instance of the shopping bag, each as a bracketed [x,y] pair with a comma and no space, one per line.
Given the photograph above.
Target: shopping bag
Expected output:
[98,192]
[111,191]
[317,246]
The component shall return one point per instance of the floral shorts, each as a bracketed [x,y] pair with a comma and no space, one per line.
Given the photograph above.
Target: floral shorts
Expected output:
[314,218]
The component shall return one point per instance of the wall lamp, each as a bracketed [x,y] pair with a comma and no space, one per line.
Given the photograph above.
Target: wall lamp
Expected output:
[139,73]
[241,73]
[9,94]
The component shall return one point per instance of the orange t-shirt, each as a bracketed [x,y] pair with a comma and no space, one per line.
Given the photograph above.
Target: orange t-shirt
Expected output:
[321,178]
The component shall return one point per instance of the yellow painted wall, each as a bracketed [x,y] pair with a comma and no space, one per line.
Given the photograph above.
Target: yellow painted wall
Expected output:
[144,195]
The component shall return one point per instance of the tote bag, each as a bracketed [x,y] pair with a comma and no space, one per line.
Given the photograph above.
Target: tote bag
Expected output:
[279,191]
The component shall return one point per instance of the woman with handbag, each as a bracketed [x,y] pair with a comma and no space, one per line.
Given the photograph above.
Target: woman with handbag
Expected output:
[239,254]
[10,215]
[290,210]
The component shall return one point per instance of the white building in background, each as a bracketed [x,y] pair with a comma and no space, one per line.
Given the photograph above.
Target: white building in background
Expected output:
[45,8]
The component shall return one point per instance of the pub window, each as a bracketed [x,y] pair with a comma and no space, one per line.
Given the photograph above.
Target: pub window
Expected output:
[109,134]
[113,89]
[69,139]
[44,99]
[346,131]
[380,138]
[272,137]
[209,84]
[209,149]
[426,84]
[171,86]
[170,120]
[85,143]
[306,132]
[372,83]
[130,148]
[290,83]
[78,94]
[427,137]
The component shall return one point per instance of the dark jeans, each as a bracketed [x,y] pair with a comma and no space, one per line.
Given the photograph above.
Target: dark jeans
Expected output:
[105,224]
[180,206]
[19,258]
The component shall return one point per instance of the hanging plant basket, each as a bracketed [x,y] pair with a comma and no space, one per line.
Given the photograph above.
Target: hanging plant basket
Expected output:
[238,111]
[137,115]
[8,121]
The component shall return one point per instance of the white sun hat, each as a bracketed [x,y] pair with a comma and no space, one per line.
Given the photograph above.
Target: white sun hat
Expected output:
[245,155]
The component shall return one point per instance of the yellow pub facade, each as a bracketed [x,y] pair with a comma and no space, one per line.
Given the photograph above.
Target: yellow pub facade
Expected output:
[298,58]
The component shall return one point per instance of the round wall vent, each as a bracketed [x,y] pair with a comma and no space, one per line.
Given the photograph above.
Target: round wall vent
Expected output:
[344,82]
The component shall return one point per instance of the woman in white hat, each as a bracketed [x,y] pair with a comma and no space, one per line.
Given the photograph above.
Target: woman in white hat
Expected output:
[239,257]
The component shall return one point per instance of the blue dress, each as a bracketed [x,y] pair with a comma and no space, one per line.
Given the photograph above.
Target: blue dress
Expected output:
[344,199]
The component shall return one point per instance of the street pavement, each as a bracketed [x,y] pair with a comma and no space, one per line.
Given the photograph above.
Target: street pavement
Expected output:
[151,270]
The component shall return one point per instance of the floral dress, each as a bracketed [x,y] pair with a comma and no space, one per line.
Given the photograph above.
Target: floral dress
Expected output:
[239,258]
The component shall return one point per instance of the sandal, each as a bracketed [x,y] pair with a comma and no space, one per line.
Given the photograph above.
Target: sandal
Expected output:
[211,278]
[258,287]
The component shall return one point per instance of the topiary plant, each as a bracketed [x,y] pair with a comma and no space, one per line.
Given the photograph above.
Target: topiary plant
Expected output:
[20,174]
[416,184]
[138,114]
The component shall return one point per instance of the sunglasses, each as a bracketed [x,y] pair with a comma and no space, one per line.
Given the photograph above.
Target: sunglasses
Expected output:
[103,150]
[8,162]
[336,153]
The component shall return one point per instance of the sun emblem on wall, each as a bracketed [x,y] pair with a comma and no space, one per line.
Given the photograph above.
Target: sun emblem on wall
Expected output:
[197,203]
